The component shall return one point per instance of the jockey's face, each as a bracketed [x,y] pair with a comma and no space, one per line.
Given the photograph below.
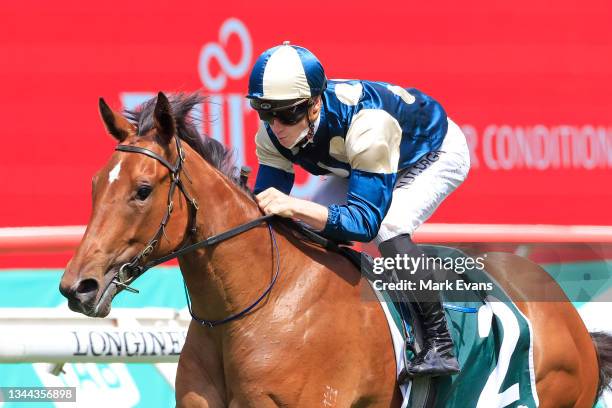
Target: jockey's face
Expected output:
[288,134]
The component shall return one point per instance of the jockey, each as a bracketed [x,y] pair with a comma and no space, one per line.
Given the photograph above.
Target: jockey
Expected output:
[392,153]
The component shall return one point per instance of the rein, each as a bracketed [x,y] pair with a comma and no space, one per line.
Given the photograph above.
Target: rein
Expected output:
[130,271]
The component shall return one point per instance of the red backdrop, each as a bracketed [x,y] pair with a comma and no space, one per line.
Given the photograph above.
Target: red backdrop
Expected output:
[528,81]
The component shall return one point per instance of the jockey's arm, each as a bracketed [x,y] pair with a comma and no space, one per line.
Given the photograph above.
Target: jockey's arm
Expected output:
[369,198]
[272,177]
[274,181]
[273,201]
[372,147]
[274,169]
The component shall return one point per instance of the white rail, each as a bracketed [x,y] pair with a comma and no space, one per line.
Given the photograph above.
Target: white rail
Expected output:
[55,239]
[39,335]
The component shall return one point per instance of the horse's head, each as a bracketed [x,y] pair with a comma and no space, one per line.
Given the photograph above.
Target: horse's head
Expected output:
[131,196]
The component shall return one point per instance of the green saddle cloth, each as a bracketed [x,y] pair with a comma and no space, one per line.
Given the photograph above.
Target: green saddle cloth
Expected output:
[493,342]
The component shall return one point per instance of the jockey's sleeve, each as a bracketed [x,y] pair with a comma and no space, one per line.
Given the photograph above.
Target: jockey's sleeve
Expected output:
[268,176]
[275,170]
[372,147]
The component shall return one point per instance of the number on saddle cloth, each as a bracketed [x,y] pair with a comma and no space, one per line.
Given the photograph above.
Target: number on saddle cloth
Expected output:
[493,342]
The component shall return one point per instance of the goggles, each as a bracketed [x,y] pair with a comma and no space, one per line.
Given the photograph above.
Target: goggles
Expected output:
[288,113]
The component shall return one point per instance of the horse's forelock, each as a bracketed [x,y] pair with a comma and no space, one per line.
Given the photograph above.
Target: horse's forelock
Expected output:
[182,105]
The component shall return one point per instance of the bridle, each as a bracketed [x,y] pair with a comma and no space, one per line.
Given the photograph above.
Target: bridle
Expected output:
[123,277]
[130,271]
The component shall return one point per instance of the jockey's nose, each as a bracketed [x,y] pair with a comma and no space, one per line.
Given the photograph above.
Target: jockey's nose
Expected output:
[276,124]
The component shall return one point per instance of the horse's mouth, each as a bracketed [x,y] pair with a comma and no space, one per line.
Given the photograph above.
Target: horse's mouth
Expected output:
[100,306]
[108,291]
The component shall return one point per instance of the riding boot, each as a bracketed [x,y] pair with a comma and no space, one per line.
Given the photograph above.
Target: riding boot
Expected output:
[437,357]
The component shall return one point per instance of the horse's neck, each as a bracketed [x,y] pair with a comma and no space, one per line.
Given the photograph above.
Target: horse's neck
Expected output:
[225,278]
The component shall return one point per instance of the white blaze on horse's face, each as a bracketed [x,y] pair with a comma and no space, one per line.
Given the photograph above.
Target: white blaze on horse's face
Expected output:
[114,173]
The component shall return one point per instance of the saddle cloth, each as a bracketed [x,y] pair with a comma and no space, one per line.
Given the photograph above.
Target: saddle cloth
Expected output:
[493,343]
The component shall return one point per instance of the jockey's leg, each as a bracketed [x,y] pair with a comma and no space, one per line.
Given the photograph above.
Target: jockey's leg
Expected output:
[437,355]
[419,190]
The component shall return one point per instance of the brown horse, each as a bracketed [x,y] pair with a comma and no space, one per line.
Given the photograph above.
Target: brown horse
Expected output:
[312,340]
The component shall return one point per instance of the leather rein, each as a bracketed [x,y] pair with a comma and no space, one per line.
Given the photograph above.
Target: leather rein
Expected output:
[130,271]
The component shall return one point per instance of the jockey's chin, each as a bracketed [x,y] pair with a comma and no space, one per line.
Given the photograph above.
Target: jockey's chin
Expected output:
[289,135]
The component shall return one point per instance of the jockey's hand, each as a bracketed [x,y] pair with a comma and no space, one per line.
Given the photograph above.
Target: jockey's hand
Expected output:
[272,201]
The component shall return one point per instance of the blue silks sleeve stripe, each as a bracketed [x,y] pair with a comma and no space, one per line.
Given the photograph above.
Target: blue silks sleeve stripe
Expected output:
[268,176]
[369,198]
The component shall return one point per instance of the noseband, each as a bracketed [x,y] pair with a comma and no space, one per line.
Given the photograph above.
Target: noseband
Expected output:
[130,271]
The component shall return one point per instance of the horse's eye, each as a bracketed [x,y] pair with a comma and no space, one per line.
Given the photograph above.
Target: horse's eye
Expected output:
[143,192]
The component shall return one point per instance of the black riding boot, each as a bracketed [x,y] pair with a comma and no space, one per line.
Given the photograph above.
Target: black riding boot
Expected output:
[437,356]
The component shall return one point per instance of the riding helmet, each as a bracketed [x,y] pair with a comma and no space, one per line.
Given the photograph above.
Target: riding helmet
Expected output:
[286,72]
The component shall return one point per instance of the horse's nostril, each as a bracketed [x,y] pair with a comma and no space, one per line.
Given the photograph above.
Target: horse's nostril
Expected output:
[65,291]
[87,286]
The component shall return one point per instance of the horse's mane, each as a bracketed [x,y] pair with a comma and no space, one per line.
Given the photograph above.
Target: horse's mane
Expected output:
[182,104]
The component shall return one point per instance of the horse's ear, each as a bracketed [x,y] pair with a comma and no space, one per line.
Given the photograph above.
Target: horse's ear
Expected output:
[118,126]
[164,121]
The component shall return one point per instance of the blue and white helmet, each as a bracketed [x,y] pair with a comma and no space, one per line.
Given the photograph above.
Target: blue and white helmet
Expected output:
[286,72]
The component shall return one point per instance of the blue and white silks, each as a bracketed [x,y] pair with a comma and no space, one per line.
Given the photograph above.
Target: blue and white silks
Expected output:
[367,132]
